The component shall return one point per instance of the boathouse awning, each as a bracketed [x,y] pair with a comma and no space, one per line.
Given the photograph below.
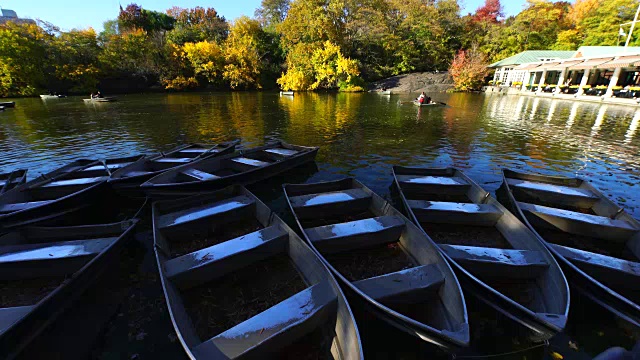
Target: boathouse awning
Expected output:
[528,66]
[564,65]
[548,66]
[591,63]
[621,62]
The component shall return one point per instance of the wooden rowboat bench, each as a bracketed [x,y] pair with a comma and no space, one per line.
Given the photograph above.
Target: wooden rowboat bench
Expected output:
[246,245]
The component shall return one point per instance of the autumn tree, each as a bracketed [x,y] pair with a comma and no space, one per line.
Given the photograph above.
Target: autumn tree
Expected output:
[206,58]
[197,24]
[468,69]
[135,17]
[23,58]
[489,12]
[75,54]
[242,54]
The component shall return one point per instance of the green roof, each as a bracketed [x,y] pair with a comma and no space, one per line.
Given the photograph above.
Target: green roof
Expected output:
[532,56]
[595,51]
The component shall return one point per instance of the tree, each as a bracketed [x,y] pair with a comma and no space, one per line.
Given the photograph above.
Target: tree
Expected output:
[135,17]
[600,24]
[323,68]
[489,12]
[468,69]
[23,58]
[197,24]
[206,58]
[272,12]
[75,55]
[242,56]
[131,54]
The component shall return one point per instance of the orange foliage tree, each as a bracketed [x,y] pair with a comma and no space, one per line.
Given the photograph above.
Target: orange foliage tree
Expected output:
[468,69]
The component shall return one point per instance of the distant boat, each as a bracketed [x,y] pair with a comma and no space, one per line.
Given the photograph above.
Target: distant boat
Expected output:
[103,99]
[47,97]
[8,104]
[286,93]
[384,92]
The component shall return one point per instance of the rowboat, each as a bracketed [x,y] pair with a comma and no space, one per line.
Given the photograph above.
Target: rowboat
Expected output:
[48,97]
[595,240]
[384,92]
[1,108]
[286,93]
[10,180]
[128,178]
[8,104]
[499,259]
[239,283]
[242,168]
[43,270]
[101,100]
[383,259]
[59,193]
[417,103]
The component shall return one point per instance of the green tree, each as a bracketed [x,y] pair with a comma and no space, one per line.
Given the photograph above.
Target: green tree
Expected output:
[23,58]
[135,17]
[197,24]
[600,25]
[75,55]
[132,55]
[272,12]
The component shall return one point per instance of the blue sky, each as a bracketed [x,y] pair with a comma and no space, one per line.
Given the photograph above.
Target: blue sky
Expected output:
[70,14]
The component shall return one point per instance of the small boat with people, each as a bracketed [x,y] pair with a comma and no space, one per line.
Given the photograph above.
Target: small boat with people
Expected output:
[432,103]
[243,167]
[8,104]
[596,241]
[239,283]
[43,270]
[383,259]
[499,259]
[101,100]
[12,179]
[59,194]
[286,93]
[129,178]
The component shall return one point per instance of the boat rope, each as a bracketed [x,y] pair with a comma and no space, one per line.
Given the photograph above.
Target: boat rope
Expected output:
[545,344]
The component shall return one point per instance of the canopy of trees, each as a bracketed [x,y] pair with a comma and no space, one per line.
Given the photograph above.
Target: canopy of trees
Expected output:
[296,44]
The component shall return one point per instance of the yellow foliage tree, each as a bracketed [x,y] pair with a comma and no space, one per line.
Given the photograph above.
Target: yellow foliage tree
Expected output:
[243,65]
[316,66]
[206,58]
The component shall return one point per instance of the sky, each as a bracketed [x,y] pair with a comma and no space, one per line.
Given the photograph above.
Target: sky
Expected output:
[69,14]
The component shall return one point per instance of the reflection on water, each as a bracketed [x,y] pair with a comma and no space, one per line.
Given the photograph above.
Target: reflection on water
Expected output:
[360,135]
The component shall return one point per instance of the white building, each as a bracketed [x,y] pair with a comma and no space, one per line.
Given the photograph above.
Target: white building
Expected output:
[508,71]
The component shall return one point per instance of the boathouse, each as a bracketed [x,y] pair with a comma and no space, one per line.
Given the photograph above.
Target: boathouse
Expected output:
[10,15]
[603,71]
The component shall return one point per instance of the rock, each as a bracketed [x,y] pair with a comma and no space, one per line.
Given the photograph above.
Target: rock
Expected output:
[428,82]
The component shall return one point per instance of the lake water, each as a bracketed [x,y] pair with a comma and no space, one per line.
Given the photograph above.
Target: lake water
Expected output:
[360,135]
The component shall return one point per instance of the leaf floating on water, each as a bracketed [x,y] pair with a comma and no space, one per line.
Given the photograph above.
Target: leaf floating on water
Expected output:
[600,333]
[261,331]
[573,345]
[556,356]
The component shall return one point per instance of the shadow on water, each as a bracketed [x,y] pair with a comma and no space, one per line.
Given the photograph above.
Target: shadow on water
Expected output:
[360,135]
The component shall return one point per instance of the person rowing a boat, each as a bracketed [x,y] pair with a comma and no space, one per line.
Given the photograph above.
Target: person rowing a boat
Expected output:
[423,98]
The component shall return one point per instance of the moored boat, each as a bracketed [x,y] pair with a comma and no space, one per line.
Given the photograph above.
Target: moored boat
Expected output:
[129,178]
[286,93]
[44,269]
[383,259]
[239,283]
[10,180]
[596,241]
[499,259]
[59,193]
[244,167]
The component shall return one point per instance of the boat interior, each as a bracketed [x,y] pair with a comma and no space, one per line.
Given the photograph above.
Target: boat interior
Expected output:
[10,180]
[485,239]
[238,281]
[583,226]
[216,168]
[35,261]
[381,253]
[65,181]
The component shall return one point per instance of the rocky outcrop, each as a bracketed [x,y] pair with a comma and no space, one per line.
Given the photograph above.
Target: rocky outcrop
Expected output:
[428,82]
